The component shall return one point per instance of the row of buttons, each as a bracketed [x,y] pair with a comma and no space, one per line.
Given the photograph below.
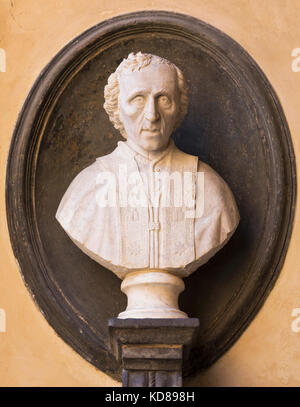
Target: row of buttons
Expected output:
[154,225]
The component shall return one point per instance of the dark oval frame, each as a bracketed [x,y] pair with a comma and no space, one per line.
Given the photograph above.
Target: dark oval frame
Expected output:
[24,154]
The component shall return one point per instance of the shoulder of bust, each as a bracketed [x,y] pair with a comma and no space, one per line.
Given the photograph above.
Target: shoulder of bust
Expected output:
[109,161]
[219,198]
[212,180]
[217,193]
[183,161]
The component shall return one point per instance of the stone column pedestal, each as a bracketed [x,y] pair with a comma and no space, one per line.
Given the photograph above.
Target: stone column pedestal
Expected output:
[152,351]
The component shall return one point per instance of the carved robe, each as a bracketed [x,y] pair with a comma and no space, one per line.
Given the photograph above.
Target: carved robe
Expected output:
[156,232]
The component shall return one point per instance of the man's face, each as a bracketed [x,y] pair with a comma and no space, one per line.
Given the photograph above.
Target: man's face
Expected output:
[149,104]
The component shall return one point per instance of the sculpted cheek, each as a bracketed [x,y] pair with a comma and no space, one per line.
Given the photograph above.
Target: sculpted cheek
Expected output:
[170,115]
[132,112]
[126,114]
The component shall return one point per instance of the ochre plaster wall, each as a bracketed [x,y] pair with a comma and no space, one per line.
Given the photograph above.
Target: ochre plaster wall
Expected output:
[32,32]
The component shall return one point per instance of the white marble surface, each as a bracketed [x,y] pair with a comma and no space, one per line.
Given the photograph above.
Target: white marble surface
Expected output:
[135,211]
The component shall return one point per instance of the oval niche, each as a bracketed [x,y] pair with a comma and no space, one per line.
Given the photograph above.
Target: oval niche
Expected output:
[235,123]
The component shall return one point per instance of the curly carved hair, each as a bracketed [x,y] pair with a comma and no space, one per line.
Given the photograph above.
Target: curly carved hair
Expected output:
[135,62]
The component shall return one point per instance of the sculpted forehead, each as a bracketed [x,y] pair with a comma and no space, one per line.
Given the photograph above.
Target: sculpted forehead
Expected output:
[154,78]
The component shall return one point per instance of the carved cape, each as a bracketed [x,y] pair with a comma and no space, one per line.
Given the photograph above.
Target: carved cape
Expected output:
[125,238]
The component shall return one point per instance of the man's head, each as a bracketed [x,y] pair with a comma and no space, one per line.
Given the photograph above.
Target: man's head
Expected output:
[146,99]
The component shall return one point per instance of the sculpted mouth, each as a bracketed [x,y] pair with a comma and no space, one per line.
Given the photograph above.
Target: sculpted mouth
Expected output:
[151,130]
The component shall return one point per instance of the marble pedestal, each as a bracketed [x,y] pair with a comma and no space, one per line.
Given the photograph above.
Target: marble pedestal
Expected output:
[152,351]
[152,294]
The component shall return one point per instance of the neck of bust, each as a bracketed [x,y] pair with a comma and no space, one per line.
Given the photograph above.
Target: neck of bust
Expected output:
[149,155]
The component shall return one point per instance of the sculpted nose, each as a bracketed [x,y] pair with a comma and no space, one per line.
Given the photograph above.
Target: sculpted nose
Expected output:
[151,111]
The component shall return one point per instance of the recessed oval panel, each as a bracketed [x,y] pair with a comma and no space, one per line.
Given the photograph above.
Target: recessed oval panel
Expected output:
[234,123]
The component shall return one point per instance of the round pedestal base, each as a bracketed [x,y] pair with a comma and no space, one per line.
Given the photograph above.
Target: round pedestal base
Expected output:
[152,294]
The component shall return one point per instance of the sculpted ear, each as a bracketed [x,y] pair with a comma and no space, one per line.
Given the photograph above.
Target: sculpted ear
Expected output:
[119,113]
[119,123]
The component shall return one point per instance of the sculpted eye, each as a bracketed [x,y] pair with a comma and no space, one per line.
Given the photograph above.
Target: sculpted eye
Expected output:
[164,101]
[138,100]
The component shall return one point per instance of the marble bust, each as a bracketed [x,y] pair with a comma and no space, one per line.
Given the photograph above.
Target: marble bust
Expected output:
[148,212]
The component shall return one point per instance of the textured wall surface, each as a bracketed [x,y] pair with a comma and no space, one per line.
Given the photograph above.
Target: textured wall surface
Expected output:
[31,33]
